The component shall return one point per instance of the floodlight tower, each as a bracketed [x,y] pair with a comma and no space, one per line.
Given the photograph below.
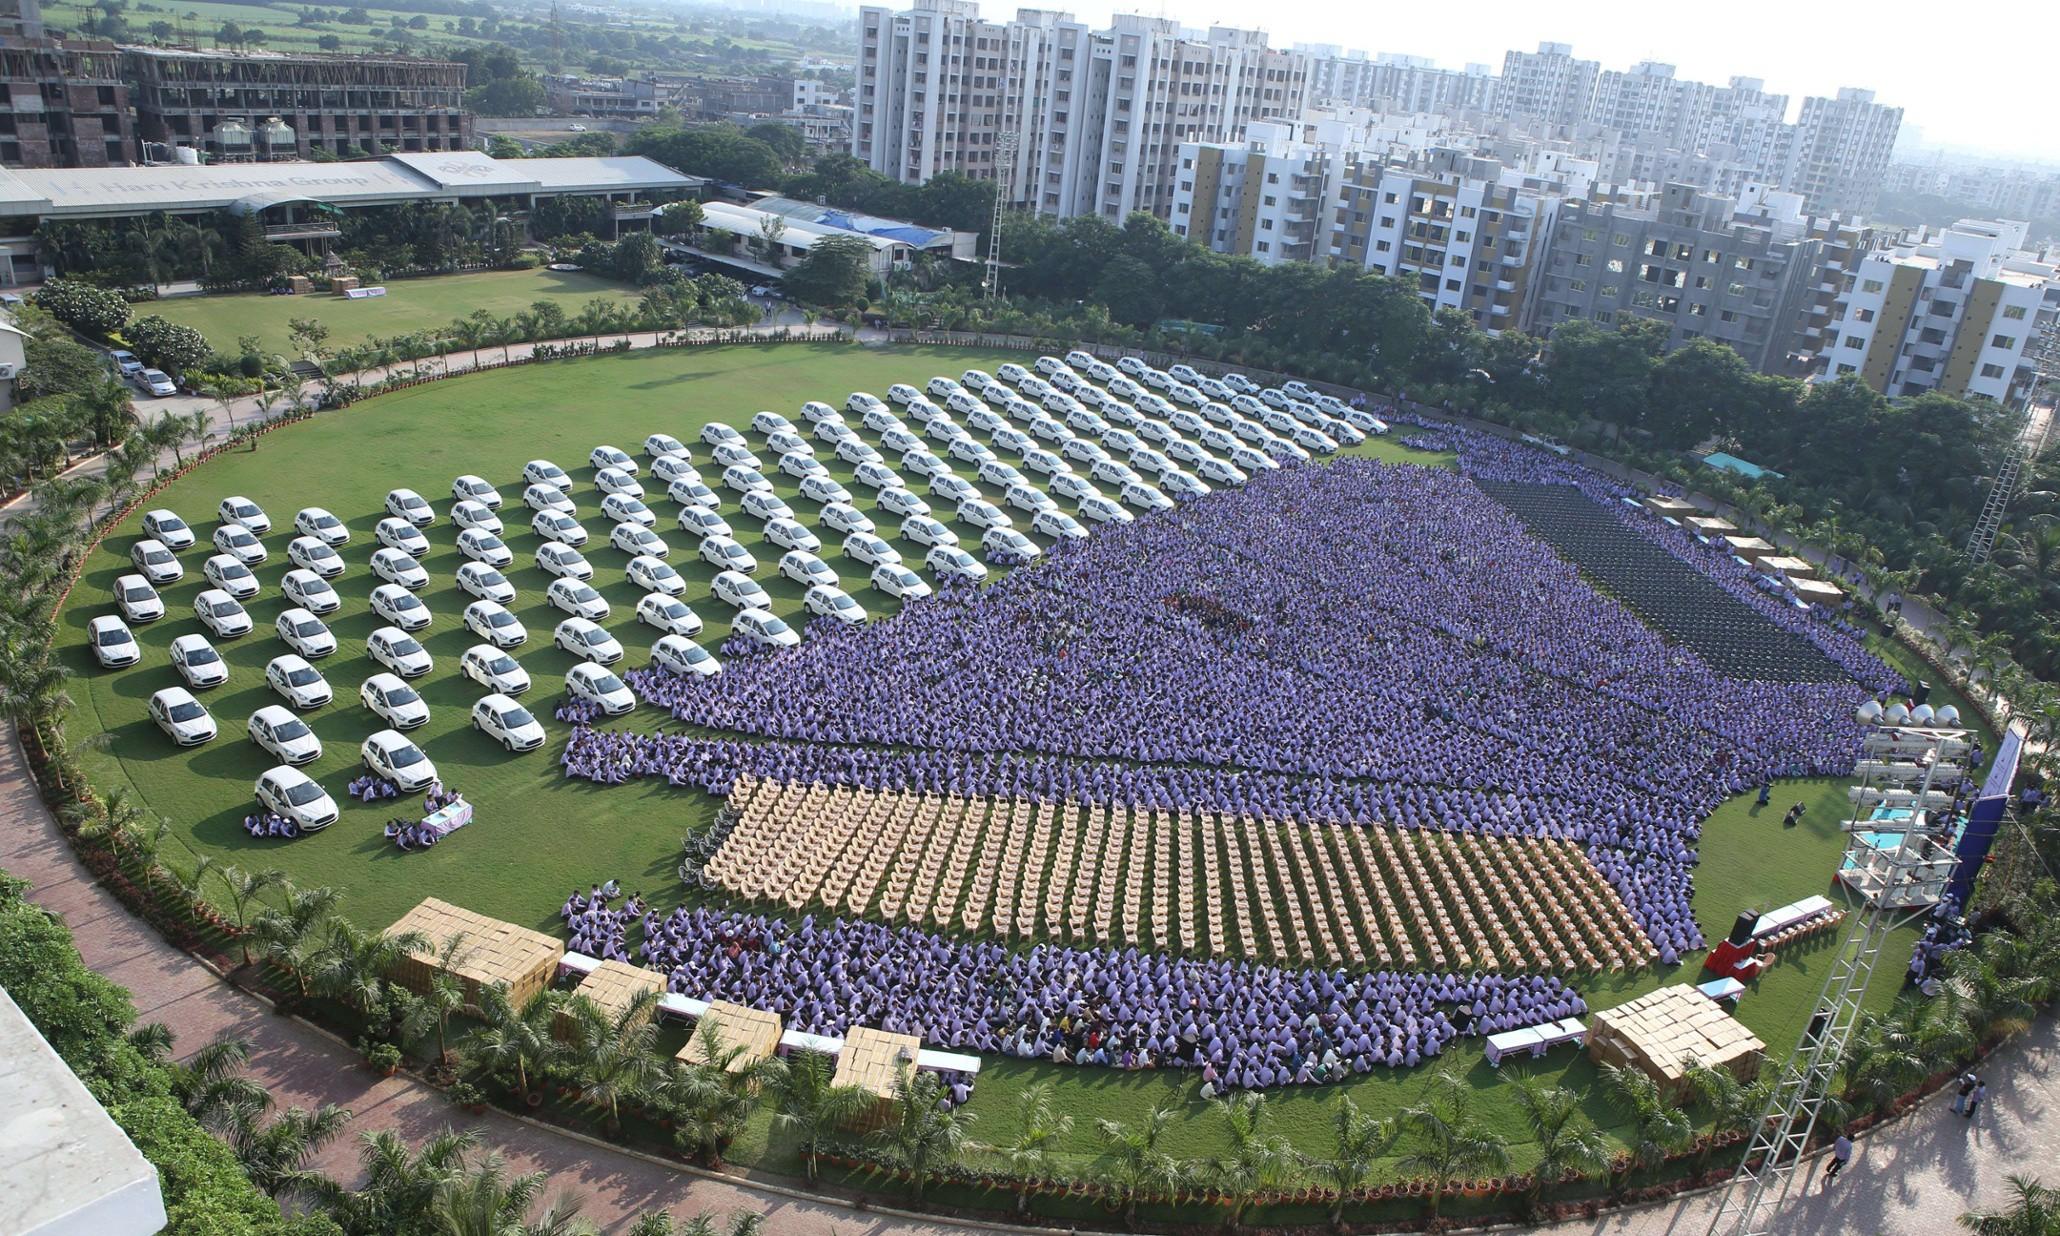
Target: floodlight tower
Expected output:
[1004,167]
[1906,778]
[2043,354]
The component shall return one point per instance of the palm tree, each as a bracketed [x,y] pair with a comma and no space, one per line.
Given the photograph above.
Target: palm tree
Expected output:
[1569,1146]
[1733,1106]
[808,1108]
[1132,1162]
[1987,997]
[275,1154]
[292,936]
[2034,1211]
[244,889]
[1887,1054]
[353,964]
[400,1183]
[211,1085]
[511,1039]
[1657,1127]
[1029,1156]
[1255,1161]
[431,1012]
[1360,1142]
[922,1135]
[1446,1140]
[484,1200]
[614,1058]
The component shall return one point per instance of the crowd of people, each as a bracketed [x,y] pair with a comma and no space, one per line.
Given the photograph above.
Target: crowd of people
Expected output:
[369,788]
[269,824]
[421,834]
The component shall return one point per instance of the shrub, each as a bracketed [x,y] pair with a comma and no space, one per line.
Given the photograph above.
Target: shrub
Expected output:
[96,311]
[167,345]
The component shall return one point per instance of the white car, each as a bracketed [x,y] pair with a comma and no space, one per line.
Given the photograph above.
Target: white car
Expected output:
[304,633]
[198,663]
[842,517]
[923,463]
[638,541]
[802,467]
[673,469]
[470,488]
[703,522]
[275,729]
[1313,440]
[618,481]
[1284,451]
[725,554]
[1045,463]
[1081,360]
[876,476]
[1213,469]
[715,433]
[1251,460]
[1012,373]
[544,472]
[562,562]
[824,489]
[902,392]
[407,504]
[765,504]
[241,510]
[156,562]
[901,502]
[222,614]
[901,441]
[1073,488]
[394,702]
[1114,472]
[897,580]
[940,386]
[1000,475]
[547,498]
[816,412]
[240,543]
[293,795]
[741,591]
[1121,441]
[1157,432]
[310,596]
[772,422]
[788,442]
[312,554]
[880,420]
[870,549]
[483,581]
[966,450]
[397,650]
[804,567]
[984,419]
[1014,441]
[1215,439]
[137,600]
[297,682]
[763,628]
[579,600]
[790,534]
[830,601]
[623,509]
[490,668]
[1145,497]
[166,526]
[587,640]
[1101,510]
[482,546]
[181,717]
[400,607]
[667,614]
[390,755]
[402,535]
[1028,499]
[559,527]
[981,513]
[924,530]
[1149,462]
[743,479]
[591,684]
[952,488]
[1010,543]
[470,514]
[1048,365]
[1186,452]
[1058,525]
[830,433]
[654,575]
[231,576]
[977,379]
[950,560]
[1051,431]
[114,645]
[604,457]
[961,403]
[860,401]
[853,451]
[1178,484]
[507,723]
[394,566]
[496,624]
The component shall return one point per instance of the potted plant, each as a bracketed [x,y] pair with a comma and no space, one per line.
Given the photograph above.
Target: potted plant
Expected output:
[383,1059]
[469,1097]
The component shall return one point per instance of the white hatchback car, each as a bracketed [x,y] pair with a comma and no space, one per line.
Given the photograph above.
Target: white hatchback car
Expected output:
[563,562]
[587,640]
[137,600]
[114,645]
[762,627]
[312,554]
[181,717]
[727,555]
[470,488]
[743,480]
[592,684]
[395,566]
[578,599]
[397,650]
[869,549]
[675,468]
[924,530]
[230,576]
[741,591]
[843,517]
[544,472]
[1028,499]
[304,633]
[1058,525]
[604,457]
[654,575]
[617,481]
[676,654]
[981,513]
[406,504]
[898,581]
[772,422]
[222,614]
[482,546]
[801,467]
[830,601]
[507,722]
[293,795]
[668,615]
[390,755]
[560,527]
[547,498]
[791,534]
[320,524]
[950,560]
[275,729]
[402,535]
[198,663]
[298,683]
[765,504]
[400,607]
[804,567]
[925,464]
[496,624]
[241,510]
[901,502]
[638,541]
[1010,543]
[1102,510]
[470,514]
[166,526]
[623,509]
[490,668]
[703,522]
[240,543]
[482,581]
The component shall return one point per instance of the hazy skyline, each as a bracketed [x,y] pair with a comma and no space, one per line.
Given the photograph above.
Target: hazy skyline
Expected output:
[1973,83]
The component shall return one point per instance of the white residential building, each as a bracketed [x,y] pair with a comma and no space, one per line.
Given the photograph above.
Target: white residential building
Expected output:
[1548,85]
[1839,157]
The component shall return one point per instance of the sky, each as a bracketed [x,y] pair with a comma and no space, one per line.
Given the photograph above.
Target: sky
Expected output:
[1981,84]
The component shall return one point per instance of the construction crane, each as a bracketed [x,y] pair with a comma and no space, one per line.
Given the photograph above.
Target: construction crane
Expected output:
[1897,869]
[2043,355]
[1004,167]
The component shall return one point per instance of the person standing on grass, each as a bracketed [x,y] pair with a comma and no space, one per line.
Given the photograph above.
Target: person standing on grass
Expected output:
[1841,1154]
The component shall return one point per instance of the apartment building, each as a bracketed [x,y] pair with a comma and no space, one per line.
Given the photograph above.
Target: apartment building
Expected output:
[63,102]
[1549,85]
[1647,99]
[1840,149]
[1393,83]
[1707,266]
[1841,244]
[263,105]
[1951,310]
[1265,198]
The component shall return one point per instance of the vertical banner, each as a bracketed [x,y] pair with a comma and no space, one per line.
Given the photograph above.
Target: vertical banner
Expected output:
[1986,816]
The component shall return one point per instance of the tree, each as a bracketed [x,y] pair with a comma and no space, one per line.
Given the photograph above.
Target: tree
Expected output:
[275,1153]
[921,1135]
[636,256]
[400,1183]
[720,151]
[518,95]
[245,888]
[1359,1143]
[679,218]
[2034,1210]
[96,311]
[1256,1160]
[1446,1140]
[55,365]
[1130,289]
[167,345]
[1029,1155]
[834,273]
[1131,1162]
[783,140]
[1569,1146]
[293,935]
[808,1108]
[1657,1127]
[613,1058]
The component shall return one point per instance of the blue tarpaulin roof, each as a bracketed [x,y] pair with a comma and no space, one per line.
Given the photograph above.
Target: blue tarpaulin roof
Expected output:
[1743,467]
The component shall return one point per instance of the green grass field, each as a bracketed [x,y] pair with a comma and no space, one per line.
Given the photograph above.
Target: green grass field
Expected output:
[538,835]
[409,305]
